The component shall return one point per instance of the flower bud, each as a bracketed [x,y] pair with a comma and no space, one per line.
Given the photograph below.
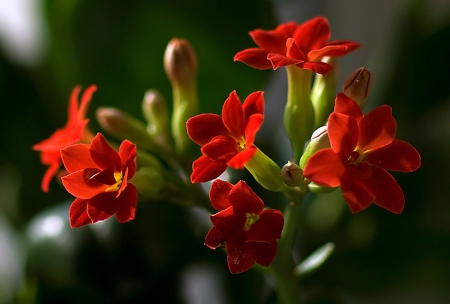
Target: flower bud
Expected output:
[148,182]
[323,92]
[357,86]
[154,109]
[123,126]
[180,64]
[319,141]
[291,174]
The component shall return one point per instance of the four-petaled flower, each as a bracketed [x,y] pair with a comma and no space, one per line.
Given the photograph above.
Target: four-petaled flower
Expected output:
[227,140]
[290,43]
[247,230]
[362,149]
[74,131]
[98,178]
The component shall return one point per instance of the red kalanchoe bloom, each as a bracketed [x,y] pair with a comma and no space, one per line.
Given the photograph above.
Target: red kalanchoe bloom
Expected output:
[242,226]
[98,178]
[362,149]
[300,44]
[227,140]
[74,131]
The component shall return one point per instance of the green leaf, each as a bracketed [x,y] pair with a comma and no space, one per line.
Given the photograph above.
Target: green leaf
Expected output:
[314,260]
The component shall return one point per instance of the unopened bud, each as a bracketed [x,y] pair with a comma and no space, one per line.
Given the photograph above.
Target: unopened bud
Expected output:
[123,126]
[319,141]
[180,62]
[154,109]
[357,86]
[291,174]
[148,182]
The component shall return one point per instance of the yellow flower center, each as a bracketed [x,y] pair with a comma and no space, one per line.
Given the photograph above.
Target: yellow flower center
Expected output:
[115,187]
[250,219]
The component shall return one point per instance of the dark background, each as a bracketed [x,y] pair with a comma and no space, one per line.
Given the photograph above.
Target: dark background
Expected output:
[119,46]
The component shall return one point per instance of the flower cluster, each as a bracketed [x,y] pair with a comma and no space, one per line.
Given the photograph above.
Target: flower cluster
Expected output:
[153,162]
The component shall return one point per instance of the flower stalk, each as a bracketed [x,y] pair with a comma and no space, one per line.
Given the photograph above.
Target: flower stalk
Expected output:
[298,112]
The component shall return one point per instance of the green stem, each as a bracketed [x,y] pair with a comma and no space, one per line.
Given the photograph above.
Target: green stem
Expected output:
[185,105]
[298,112]
[286,282]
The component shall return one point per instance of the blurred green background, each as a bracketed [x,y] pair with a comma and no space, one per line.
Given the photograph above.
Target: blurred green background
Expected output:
[50,46]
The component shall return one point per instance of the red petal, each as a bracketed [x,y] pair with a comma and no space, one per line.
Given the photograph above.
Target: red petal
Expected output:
[126,202]
[270,41]
[254,57]
[103,155]
[77,157]
[233,115]
[85,99]
[229,221]
[318,67]
[205,169]
[239,160]
[346,105]
[73,105]
[377,129]
[48,175]
[397,156]
[240,256]
[253,125]
[293,51]
[343,134]
[204,127]
[253,104]
[128,153]
[278,60]
[389,195]
[102,206]
[78,213]
[324,168]
[287,29]
[219,194]
[220,148]
[267,228]
[243,198]
[358,193]
[337,48]
[312,34]
[77,184]
[214,239]
[105,177]
[264,252]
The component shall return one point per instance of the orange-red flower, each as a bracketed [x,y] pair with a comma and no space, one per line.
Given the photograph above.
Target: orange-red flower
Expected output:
[300,44]
[74,131]
[242,226]
[227,140]
[98,178]
[362,149]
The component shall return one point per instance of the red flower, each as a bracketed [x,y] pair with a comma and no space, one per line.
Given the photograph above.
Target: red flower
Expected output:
[247,231]
[227,140]
[98,178]
[362,149]
[291,43]
[74,131]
